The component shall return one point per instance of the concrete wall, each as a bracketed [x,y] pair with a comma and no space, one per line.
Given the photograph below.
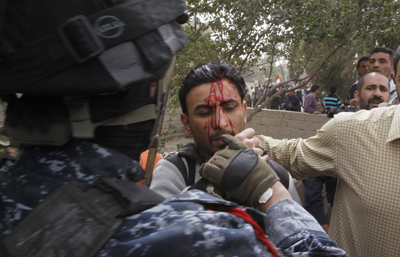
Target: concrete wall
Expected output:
[274,123]
[286,124]
[176,121]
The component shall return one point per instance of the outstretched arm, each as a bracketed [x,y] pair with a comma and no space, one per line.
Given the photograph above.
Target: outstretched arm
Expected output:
[244,178]
[306,157]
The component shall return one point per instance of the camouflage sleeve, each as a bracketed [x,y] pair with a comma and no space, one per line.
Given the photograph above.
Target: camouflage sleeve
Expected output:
[297,233]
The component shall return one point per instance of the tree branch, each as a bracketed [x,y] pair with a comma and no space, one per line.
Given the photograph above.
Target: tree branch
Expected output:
[281,92]
[248,54]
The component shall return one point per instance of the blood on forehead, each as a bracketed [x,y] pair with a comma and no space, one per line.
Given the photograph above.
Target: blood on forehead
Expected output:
[220,92]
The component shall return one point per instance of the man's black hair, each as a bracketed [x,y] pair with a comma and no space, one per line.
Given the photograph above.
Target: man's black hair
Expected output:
[207,73]
[383,50]
[332,89]
[362,59]
[314,88]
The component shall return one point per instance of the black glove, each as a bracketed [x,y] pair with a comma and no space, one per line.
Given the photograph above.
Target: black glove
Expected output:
[239,172]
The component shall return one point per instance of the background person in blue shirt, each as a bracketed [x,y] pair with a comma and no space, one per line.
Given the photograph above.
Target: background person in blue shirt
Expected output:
[332,100]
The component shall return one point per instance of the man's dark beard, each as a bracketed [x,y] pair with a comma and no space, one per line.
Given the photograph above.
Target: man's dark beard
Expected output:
[365,106]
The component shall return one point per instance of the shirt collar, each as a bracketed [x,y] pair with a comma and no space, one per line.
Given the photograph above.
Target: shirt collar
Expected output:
[394,132]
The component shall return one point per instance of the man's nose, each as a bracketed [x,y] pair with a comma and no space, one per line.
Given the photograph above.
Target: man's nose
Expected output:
[220,120]
[378,93]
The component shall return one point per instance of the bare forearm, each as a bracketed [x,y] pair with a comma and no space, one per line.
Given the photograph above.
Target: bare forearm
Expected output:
[279,193]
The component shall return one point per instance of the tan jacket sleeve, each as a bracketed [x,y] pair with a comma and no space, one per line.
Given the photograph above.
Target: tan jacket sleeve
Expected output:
[306,157]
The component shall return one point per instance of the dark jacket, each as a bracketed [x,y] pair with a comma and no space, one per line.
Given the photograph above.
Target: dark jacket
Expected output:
[294,101]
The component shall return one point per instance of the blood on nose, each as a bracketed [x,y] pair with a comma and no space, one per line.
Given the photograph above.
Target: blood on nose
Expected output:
[219,119]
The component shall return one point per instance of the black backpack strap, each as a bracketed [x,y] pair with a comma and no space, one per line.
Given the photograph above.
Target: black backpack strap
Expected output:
[188,176]
[178,162]
[78,219]
[192,171]
[282,173]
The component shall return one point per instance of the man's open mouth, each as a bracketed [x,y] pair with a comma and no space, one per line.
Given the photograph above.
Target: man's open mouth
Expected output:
[375,103]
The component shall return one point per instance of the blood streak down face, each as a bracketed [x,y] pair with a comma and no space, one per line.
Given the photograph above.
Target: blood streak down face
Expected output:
[215,99]
[214,109]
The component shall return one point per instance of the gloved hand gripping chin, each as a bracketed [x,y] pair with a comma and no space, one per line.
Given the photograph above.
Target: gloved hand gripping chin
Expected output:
[240,172]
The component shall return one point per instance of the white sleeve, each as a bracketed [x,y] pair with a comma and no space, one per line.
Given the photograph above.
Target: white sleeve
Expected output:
[167,180]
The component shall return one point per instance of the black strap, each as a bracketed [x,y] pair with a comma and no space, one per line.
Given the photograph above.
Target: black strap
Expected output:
[77,40]
[192,171]
[188,176]
[77,221]
[5,47]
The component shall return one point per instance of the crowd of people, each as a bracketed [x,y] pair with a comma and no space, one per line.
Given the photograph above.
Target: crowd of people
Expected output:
[310,100]
[368,92]
[333,159]
[361,224]
[90,110]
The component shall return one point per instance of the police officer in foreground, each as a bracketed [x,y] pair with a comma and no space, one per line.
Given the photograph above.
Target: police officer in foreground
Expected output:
[90,73]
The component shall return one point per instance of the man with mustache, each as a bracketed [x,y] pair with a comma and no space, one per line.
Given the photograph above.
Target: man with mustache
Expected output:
[360,149]
[212,104]
[373,89]
[381,60]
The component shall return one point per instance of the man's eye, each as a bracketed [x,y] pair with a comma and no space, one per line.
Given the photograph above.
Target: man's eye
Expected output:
[204,113]
[229,107]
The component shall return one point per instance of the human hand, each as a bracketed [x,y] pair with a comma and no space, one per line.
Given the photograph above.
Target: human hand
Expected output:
[316,112]
[239,172]
[248,139]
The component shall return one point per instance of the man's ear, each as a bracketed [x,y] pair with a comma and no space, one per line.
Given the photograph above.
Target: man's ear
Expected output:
[357,95]
[185,123]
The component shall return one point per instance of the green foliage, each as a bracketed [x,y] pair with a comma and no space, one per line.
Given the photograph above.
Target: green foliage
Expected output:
[319,38]
[178,146]
[352,28]
[3,139]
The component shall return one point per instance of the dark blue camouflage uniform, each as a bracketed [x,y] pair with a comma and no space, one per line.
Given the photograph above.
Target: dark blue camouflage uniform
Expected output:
[184,225]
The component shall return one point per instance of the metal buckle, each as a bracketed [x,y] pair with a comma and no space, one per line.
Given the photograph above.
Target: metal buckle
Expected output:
[88,28]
